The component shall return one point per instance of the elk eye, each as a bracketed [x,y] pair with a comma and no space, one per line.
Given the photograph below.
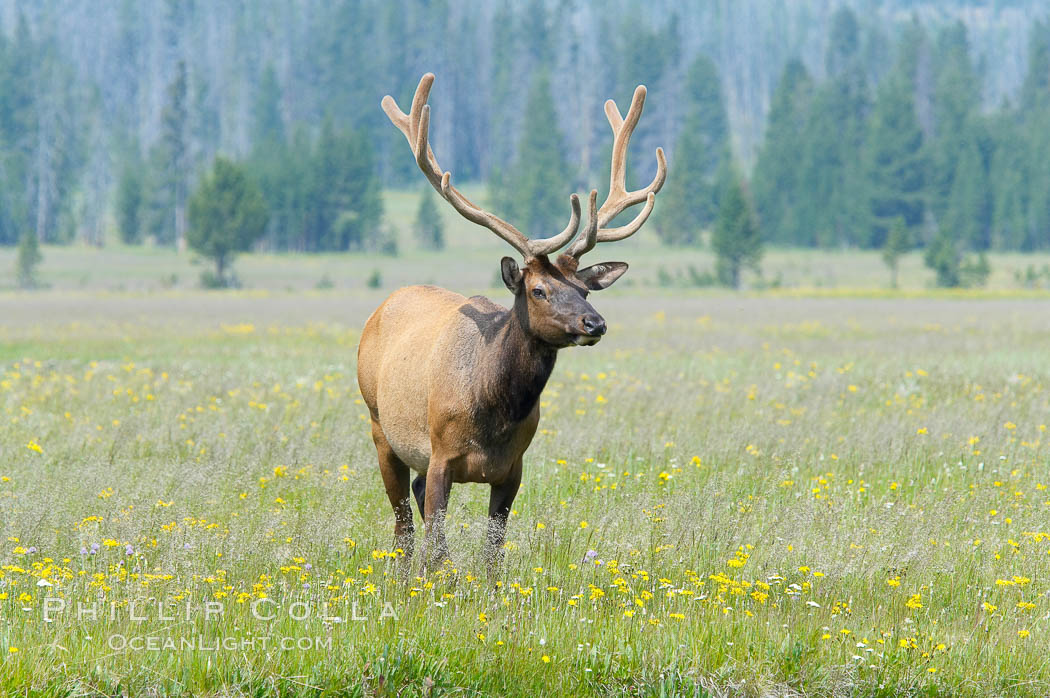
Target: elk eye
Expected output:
[538,293]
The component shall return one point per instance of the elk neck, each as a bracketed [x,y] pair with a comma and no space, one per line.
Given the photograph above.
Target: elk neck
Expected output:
[518,369]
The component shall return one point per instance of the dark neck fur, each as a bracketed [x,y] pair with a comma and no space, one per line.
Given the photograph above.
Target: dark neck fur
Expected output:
[519,368]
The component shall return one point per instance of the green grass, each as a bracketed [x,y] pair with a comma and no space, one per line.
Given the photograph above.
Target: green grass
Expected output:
[756,475]
[825,488]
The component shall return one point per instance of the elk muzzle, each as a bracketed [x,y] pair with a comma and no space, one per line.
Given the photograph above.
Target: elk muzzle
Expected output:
[593,327]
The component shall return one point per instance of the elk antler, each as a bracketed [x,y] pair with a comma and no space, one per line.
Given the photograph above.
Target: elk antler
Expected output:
[619,198]
[416,125]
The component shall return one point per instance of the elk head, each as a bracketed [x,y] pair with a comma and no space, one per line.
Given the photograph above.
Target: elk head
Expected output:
[550,297]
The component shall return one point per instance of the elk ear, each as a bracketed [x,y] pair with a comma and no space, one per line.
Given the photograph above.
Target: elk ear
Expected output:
[602,275]
[511,274]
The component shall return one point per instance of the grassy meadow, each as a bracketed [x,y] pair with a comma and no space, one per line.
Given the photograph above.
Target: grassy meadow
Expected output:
[822,489]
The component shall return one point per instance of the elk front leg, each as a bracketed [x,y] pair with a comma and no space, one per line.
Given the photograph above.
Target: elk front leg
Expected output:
[435,504]
[396,481]
[500,499]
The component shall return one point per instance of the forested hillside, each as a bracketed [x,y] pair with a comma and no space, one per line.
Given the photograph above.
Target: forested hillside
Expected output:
[842,121]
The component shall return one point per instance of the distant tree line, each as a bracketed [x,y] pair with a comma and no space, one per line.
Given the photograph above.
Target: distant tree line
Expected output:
[321,193]
[42,140]
[843,159]
[893,122]
[912,161]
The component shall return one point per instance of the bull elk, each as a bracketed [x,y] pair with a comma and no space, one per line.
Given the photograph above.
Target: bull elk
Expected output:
[453,383]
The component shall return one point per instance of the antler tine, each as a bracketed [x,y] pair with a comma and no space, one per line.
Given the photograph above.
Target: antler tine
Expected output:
[402,120]
[587,238]
[619,198]
[416,127]
[621,139]
[626,231]
[648,195]
[419,100]
[555,243]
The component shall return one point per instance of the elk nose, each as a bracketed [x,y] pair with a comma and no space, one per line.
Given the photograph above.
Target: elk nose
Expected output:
[594,325]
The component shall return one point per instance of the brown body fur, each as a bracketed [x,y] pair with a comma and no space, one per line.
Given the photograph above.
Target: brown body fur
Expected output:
[452,385]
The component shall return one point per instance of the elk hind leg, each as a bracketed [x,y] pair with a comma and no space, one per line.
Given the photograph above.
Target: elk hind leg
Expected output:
[396,481]
[419,489]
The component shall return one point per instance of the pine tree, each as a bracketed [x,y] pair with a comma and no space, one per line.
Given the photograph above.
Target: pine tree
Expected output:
[1035,91]
[27,260]
[345,62]
[843,42]
[689,202]
[913,62]
[642,52]
[536,183]
[203,125]
[1033,117]
[536,34]
[169,164]
[894,163]
[343,198]
[130,204]
[1008,175]
[737,242]
[1037,150]
[278,168]
[227,214]
[430,229]
[956,97]
[504,82]
[833,205]
[641,57]
[943,257]
[777,186]
[16,127]
[269,124]
[898,243]
[969,209]
[282,171]
[53,145]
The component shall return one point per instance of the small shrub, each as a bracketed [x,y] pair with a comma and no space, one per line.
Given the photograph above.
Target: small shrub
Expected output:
[701,279]
[1032,277]
[974,273]
[690,278]
[898,242]
[212,281]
